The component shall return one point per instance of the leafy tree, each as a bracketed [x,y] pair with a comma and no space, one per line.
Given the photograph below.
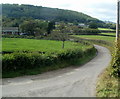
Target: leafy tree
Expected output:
[51,26]
[28,27]
[34,27]
[61,33]
[39,32]
[41,27]
[57,35]
[93,25]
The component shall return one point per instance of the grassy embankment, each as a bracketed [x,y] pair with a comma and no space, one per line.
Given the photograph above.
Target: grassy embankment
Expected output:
[107,85]
[97,37]
[106,29]
[30,56]
[109,34]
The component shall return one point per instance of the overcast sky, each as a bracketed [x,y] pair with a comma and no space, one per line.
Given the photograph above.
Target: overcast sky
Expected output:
[101,9]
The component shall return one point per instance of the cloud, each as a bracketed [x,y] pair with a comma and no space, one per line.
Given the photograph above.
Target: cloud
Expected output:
[104,11]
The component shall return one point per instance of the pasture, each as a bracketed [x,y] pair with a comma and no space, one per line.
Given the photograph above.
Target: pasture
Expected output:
[97,37]
[105,29]
[17,44]
[31,56]
[109,34]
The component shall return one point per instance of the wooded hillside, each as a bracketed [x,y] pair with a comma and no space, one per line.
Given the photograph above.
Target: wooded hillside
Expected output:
[45,13]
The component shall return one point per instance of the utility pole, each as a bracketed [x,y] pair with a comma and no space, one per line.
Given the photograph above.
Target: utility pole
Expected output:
[118,20]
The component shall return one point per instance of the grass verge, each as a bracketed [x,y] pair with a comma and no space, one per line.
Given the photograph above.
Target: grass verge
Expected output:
[107,85]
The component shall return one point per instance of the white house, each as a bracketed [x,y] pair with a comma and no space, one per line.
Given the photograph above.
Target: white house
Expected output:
[10,30]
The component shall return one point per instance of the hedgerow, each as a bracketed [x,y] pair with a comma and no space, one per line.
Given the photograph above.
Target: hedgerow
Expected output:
[22,36]
[88,31]
[21,61]
[116,61]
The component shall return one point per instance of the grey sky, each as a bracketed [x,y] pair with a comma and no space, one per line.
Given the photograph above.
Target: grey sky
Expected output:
[101,9]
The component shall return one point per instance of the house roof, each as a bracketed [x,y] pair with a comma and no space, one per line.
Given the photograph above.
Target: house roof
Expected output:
[9,28]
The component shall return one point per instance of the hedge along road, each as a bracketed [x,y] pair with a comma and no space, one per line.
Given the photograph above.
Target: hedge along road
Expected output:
[67,82]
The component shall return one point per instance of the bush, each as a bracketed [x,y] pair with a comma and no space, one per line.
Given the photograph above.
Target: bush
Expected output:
[88,31]
[18,36]
[116,61]
[70,54]
[8,61]
[27,61]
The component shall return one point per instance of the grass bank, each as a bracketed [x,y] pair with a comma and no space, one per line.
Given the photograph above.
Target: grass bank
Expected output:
[97,37]
[106,29]
[109,34]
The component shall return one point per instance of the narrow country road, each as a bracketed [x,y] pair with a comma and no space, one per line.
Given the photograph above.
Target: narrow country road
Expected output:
[67,82]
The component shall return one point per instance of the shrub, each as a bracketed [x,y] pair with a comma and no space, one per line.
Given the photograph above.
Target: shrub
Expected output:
[89,51]
[7,60]
[70,54]
[18,36]
[24,61]
[116,61]
[88,31]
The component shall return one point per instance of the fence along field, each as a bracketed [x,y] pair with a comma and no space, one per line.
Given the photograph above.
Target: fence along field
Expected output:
[30,56]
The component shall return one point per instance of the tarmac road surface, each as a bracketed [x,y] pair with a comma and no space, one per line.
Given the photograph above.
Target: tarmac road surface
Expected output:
[68,82]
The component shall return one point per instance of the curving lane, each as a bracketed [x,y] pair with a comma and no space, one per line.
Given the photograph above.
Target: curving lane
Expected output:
[67,82]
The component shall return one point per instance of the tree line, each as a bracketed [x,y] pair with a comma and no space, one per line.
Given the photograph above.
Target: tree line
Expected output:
[45,13]
[36,27]
[49,14]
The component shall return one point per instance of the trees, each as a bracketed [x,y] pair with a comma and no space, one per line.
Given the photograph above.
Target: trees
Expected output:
[93,25]
[57,35]
[41,27]
[61,33]
[28,27]
[51,26]
[45,13]
[10,22]
[34,27]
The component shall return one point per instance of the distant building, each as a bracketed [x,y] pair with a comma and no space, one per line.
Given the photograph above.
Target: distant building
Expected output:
[82,25]
[57,23]
[10,30]
[71,24]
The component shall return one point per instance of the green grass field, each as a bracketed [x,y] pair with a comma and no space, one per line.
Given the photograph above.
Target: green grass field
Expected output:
[111,34]
[97,37]
[29,57]
[17,44]
[106,29]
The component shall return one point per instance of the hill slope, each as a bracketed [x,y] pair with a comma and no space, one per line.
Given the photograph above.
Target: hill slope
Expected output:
[45,13]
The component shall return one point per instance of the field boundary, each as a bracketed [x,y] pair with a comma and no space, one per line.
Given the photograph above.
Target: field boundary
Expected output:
[28,63]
